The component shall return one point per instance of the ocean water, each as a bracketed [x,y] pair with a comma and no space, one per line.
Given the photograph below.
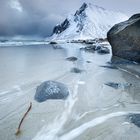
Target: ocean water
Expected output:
[93,110]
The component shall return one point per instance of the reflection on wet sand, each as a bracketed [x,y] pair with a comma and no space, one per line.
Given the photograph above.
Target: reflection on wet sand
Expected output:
[94,109]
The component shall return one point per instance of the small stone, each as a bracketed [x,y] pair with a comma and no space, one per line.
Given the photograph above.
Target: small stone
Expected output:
[88,61]
[113,85]
[98,47]
[119,85]
[76,70]
[57,47]
[72,58]
[110,67]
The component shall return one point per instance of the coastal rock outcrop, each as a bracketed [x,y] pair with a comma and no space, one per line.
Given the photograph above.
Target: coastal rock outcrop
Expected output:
[99,48]
[125,39]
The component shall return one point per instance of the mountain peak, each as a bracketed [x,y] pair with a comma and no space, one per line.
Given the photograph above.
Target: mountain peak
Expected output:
[81,9]
[89,22]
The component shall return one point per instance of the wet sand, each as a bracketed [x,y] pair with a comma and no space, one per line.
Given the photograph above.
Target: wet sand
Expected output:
[92,111]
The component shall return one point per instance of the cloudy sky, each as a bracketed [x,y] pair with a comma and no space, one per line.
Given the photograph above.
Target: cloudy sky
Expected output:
[36,18]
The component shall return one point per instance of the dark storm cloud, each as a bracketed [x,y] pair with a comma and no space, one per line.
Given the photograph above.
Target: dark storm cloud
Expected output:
[38,17]
[32,18]
[24,19]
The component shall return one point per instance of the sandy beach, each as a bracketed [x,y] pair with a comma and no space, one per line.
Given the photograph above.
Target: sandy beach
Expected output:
[93,109]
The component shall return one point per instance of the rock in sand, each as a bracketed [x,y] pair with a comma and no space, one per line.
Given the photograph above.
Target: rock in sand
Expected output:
[51,90]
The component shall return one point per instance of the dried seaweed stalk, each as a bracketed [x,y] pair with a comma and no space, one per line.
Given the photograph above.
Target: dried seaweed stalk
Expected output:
[19,126]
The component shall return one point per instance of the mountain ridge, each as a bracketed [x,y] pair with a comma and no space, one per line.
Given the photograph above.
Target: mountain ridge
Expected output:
[89,22]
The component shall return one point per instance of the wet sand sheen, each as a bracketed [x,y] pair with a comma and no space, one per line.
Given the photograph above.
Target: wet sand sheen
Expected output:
[91,109]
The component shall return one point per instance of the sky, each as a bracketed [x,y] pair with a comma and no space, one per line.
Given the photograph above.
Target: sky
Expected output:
[36,18]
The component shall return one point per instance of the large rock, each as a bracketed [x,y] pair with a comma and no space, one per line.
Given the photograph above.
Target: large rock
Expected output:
[99,48]
[135,119]
[51,90]
[125,39]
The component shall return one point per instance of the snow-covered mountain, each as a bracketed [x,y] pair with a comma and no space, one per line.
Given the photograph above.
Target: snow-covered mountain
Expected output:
[89,22]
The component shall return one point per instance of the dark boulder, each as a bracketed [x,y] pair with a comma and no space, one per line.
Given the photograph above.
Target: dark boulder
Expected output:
[51,90]
[135,119]
[90,48]
[99,48]
[89,41]
[52,42]
[119,85]
[125,39]
[103,50]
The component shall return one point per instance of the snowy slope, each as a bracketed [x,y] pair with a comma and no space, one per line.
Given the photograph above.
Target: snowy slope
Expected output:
[89,22]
